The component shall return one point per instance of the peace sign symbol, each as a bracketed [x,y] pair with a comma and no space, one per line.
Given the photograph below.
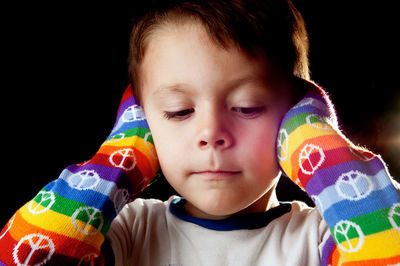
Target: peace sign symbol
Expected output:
[394,216]
[83,180]
[121,197]
[116,138]
[311,158]
[46,200]
[33,249]
[316,121]
[304,102]
[124,159]
[353,185]
[87,216]
[133,113]
[282,145]
[342,232]
[150,148]
[8,227]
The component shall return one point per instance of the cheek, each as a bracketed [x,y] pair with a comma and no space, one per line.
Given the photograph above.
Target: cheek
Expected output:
[168,145]
[258,149]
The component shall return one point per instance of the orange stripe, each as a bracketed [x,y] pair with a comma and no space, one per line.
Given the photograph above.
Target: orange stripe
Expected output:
[385,261]
[66,246]
[335,257]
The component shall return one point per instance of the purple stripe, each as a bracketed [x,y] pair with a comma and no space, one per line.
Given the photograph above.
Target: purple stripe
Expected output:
[123,106]
[328,176]
[304,109]
[316,96]
[327,250]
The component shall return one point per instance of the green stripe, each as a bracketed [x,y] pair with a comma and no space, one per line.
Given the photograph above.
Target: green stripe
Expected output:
[67,207]
[370,223]
[374,222]
[295,121]
[137,131]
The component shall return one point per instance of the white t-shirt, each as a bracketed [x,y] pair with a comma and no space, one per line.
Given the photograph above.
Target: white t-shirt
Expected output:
[152,232]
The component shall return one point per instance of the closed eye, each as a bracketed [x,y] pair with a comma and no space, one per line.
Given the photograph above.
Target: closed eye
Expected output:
[178,115]
[249,112]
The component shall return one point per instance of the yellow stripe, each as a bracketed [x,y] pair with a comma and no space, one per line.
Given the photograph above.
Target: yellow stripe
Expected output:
[61,224]
[297,137]
[381,245]
[144,147]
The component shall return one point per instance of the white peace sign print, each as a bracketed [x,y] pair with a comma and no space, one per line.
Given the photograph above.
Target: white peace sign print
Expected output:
[88,258]
[37,243]
[150,148]
[85,179]
[349,236]
[46,200]
[394,216]
[304,102]
[124,159]
[362,154]
[311,158]
[282,145]
[316,121]
[353,185]
[121,197]
[116,138]
[9,224]
[85,216]
[133,113]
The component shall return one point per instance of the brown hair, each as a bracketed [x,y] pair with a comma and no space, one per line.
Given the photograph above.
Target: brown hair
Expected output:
[274,27]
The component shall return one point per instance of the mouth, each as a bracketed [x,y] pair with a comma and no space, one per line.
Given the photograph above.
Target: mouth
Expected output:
[216,175]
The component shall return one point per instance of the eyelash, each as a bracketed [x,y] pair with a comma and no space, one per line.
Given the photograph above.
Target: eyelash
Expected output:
[179,115]
[246,112]
[249,112]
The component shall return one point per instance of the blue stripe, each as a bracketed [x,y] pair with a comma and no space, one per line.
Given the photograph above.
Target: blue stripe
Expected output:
[325,177]
[88,197]
[346,209]
[329,196]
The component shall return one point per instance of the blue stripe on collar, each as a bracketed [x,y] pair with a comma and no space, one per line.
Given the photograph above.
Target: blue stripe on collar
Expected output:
[236,222]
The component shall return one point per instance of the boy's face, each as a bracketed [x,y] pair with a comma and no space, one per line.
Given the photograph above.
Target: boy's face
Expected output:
[214,115]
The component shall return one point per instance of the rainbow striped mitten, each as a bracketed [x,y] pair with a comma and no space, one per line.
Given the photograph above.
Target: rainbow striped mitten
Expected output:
[66,223]
[350,185]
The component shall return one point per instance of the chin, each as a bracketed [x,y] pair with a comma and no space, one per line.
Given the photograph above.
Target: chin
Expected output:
[216,207]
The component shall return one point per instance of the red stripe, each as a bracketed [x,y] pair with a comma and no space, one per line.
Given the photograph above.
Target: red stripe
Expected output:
[127,94]
[142,161]
[335,150]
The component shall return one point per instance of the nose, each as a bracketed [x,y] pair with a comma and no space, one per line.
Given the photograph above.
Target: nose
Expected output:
[214,132]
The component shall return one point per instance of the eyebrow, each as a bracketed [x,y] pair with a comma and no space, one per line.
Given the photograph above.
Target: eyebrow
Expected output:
[182,87]
[172,88]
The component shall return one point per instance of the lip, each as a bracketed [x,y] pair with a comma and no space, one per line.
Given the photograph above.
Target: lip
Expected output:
[216,175]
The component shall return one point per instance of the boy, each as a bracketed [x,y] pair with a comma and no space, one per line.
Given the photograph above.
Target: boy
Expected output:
[220,84]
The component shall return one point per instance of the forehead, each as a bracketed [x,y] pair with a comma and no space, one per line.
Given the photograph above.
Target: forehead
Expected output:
[186,54]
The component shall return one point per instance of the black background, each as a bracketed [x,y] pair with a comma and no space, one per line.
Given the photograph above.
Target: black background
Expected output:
[64,69]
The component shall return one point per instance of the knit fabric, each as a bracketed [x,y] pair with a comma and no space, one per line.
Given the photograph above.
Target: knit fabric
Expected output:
[66,223]
[350,185]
